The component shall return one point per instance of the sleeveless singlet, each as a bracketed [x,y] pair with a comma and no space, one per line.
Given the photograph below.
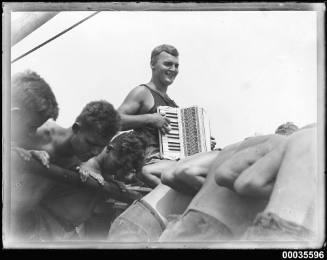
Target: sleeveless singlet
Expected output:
[159,100]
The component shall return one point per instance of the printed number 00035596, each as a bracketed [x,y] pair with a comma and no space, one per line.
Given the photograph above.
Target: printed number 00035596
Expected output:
[303,254]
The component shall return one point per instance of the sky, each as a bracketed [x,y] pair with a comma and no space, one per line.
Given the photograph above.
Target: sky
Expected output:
[251,70]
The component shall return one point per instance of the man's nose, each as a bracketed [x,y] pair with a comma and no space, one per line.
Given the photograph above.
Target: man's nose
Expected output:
[174,68]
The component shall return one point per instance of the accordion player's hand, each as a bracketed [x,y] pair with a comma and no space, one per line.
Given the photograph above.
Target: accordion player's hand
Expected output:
[161,122]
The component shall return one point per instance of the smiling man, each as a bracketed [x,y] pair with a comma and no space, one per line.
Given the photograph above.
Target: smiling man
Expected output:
[139,109]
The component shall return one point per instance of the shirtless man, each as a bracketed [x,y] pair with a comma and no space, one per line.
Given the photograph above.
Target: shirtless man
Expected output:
[32,104]
[292,211]
[246,173]
[64,207]
[122,159]
[265,174]
[90,133]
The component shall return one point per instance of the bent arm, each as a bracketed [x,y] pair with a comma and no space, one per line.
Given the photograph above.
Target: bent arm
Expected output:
[258,180]
[131,112]
[134,121]
[189,174]
[248,158]
[70,177]
[95,164]
[149,178]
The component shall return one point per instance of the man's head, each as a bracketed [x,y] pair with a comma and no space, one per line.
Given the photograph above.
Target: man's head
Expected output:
[32,103]
[164,64]
[94,128]
[125,155]
[286,129]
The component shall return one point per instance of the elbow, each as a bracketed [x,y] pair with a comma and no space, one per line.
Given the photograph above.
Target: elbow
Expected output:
[243,187]
[147,176]
[123,124]
[249,187]
[224,177]
[124,121]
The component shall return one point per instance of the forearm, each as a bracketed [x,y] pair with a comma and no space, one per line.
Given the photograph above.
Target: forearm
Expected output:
[94,164]
[259,178]
[253,189]
[195,165]
[60,174]
[189,174]
[134,121]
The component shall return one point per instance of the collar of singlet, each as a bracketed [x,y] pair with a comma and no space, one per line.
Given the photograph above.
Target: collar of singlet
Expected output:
[165,97]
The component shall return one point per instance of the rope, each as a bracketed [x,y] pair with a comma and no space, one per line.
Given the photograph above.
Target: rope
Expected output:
[54,37]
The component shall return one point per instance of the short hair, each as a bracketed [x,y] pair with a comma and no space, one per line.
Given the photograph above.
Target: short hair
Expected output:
[163,48]
[32,93]
[129,149]
[102,117]
[286,129]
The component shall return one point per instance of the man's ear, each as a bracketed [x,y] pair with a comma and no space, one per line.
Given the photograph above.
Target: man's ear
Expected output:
[152,64]
[76,127]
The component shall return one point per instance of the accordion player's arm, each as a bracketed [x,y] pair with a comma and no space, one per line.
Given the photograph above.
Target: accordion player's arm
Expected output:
[134,111]
[130,110]
[134,121]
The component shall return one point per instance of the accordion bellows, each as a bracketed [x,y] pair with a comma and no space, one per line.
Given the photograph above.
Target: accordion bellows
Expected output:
[189,134]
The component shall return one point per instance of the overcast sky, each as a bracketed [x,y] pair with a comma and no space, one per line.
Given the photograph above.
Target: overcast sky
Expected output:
[251,71]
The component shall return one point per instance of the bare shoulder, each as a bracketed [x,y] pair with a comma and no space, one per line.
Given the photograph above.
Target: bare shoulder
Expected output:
[47,132]
[138,99]
[140,92]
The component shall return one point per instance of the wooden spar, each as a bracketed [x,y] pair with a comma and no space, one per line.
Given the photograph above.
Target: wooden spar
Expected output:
[27,22]
[54,37]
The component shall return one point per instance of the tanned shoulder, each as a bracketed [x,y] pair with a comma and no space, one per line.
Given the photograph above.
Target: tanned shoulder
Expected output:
[141,93]
[145,97]
[47,136]
[138,100]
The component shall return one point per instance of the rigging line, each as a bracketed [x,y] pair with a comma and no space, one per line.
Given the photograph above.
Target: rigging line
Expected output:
[54,37]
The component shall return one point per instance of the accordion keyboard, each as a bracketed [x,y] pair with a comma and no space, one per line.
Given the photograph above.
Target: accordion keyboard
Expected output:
[189,134]
[171,144]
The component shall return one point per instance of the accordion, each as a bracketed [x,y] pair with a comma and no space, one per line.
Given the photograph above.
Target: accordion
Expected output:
[189,133]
